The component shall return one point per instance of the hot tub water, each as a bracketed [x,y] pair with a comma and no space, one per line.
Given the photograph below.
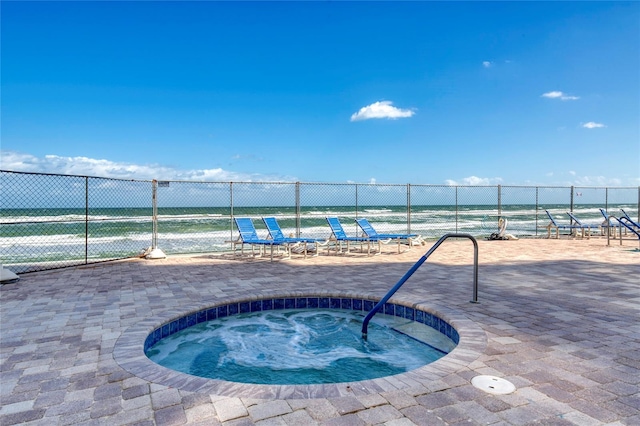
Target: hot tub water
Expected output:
[303,346]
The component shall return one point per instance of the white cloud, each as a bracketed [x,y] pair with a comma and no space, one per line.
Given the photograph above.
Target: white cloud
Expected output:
[487,64]
[593,125]
[561,178]
[18,162]
[576,180]
[597,181]
[84,166]
[560,95]
[573,178]
[381,109]
[552,95]
[474,180]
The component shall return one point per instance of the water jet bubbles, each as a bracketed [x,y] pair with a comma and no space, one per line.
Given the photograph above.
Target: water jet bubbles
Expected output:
[292,347]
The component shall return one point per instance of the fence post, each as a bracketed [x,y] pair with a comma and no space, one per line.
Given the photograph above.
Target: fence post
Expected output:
[571,198]
[231,212]
[86,220]
[356,200]
[155,252]
[408,208]
[456,209]
[298,210]
[537,209]
[499,201]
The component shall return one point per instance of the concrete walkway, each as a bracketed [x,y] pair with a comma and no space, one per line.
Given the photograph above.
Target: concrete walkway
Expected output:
[560,319]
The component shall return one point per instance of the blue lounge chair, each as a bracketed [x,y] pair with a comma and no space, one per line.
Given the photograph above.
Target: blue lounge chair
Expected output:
[605,215]
[629,220]
[585,226]
[554,224]
[276,234]
[249,236]
[370,232]
[625,224]
[630,224]
[338,236]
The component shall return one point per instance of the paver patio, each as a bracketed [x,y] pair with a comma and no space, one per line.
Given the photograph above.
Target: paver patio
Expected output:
[560,320]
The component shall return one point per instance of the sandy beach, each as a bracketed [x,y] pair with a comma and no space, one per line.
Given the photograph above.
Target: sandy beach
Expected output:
[557,318]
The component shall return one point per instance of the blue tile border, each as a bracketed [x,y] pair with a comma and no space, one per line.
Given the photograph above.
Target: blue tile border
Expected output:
[129,349]
[303,302]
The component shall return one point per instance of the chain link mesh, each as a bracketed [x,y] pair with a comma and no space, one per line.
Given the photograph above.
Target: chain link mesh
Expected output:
[434,210]
[193,217]
[50,221]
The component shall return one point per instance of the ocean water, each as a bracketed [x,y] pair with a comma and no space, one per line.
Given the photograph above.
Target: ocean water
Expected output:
[62,235]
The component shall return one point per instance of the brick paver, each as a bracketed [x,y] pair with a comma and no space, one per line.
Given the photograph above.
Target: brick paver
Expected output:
[559,318]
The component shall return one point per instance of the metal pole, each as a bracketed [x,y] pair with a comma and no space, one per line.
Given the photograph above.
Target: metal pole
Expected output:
[298,210]
[573,232]
[414,268]
[499,204]
[86,220]
[356,200]
[456,209]
[537,208]
[356,211]
[408,208]
[154,218]
[231,212]
[571,206]
[499,201]
[155,252]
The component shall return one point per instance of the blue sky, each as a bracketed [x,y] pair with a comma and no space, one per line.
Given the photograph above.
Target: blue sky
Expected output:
[544,93]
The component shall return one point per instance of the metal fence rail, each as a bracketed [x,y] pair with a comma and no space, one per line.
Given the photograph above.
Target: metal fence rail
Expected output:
[50,221]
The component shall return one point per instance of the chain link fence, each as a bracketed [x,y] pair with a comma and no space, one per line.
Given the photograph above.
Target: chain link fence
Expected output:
[50,221]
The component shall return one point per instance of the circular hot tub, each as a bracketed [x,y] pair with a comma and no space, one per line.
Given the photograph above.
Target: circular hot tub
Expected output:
[455,340]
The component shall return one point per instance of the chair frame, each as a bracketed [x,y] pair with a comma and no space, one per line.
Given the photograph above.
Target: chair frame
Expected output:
[586,226]
[370,232]
[338,236]
[553,224]
[626,216]
[276,234]
[249,236]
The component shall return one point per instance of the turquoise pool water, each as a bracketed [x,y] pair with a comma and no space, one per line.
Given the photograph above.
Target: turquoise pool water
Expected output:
[299,346]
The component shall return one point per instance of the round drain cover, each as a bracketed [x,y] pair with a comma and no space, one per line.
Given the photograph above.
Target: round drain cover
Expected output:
[492,384]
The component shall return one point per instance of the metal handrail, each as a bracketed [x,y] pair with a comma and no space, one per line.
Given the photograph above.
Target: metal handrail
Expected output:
[365,323]
[622,222]
[609,226]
